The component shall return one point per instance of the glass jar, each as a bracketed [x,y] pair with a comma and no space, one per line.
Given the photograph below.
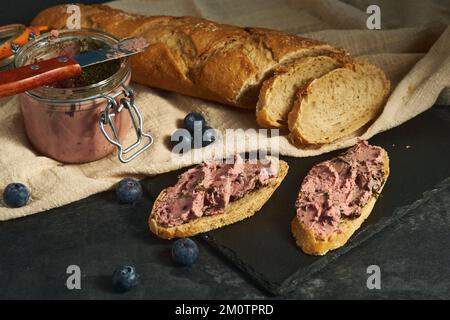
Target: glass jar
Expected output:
[81,124]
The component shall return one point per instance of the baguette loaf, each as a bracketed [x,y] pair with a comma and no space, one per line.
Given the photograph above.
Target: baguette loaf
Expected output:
[229,64]
[311,243]
[235,211]
[195,56]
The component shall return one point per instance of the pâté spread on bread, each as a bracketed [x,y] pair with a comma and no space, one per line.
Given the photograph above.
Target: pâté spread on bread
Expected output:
[339,188]
[208,188]
[215,194]
[337,196]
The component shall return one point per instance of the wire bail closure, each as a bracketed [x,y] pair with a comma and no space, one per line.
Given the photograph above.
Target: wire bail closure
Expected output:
[106,119]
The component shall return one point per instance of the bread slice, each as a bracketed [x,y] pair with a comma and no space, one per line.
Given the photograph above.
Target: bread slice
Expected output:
[235,211]
[310,244]
[337,104]
[277,94]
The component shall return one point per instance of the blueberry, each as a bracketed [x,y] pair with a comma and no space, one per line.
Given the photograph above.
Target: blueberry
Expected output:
[209,136]
[191,119]
[181,141]
[125,278]
[129,190]
[16,195]
[184,252]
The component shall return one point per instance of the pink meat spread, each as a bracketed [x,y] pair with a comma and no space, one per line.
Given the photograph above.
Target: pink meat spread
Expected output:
[54,34]
[209,187]
[339,188]
[134,44]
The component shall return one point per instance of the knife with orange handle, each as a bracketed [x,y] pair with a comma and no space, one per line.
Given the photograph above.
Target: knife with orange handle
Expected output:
[9,48]
[49,71]
[37,75]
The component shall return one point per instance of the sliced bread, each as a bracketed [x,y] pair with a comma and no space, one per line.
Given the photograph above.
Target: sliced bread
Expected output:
[277,94]
[235,211]
[337,104]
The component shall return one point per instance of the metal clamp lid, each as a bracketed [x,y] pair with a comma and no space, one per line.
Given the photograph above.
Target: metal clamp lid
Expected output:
[8,33]
[13,36]
[106,119]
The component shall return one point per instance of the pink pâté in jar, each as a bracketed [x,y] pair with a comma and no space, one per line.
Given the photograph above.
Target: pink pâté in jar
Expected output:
[86,118]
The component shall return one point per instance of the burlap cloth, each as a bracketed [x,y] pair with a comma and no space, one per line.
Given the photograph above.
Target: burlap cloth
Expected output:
[413,48]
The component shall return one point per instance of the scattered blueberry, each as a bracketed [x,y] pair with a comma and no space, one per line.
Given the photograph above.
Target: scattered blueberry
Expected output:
[16,195]
[181,141]
[129,190]
[209,136]
[125,278]
[191,119]
[184,252]
[196,134]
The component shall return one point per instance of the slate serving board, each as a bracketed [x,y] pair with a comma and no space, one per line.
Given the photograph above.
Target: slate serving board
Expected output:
[263,247]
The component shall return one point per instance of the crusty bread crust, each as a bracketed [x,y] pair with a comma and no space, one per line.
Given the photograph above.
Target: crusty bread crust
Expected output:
[235,211]
[310,244]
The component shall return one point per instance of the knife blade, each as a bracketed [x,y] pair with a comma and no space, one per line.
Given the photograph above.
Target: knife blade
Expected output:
[52,70]
[122,49]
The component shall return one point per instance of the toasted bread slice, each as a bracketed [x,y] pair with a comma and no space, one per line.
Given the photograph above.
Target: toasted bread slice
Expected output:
[235,211]
[311,244]
[277,94]
[337,104]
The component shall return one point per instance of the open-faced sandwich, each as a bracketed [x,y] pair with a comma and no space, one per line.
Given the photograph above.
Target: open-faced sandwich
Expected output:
[337,196]
[214,194]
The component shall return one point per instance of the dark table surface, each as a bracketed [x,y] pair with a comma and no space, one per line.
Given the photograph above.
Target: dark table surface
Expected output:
[98,234]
